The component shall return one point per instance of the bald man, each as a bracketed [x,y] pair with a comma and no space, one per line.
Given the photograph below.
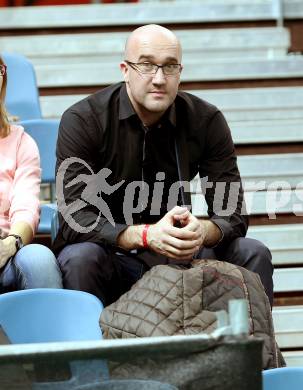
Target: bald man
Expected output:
[153,139]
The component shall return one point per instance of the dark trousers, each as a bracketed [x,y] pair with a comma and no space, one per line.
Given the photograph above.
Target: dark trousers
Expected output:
[98,270]
[250,254]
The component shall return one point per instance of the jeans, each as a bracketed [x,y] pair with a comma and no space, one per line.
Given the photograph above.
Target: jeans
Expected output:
[107,274]
[33,266]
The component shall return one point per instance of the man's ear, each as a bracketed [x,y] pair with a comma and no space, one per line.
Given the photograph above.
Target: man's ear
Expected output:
[124,70]
[180,74]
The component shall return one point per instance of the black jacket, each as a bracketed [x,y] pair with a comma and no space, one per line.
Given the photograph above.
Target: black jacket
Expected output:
[104,131]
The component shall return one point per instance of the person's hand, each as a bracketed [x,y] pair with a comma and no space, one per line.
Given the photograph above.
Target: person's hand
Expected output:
[7,250]
[191,223]
[176,243]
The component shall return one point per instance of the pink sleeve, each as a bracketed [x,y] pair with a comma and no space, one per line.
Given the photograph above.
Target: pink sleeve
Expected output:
[25,204]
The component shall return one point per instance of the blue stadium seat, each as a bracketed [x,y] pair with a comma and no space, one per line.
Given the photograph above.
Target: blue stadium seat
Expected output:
[54,315]
[22,101]
[128,385]
[49,315]
[22,95]
[45,133]
[47,213]
[286,378]
[54,224]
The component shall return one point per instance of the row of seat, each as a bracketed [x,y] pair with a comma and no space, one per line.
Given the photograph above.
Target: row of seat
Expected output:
[255,115]
[104,73]
[203,45]
[61,60]
[73,316]
[164,12]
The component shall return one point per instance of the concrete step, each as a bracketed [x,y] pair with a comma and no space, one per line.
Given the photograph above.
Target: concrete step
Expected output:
[164,12]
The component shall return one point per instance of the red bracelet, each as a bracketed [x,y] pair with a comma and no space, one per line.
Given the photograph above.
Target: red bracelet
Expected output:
[144,236]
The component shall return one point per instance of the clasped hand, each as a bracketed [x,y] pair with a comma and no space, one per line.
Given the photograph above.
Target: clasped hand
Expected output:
[179,243]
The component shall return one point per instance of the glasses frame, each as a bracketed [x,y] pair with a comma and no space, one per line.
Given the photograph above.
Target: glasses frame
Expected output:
[3,72]
[134,65]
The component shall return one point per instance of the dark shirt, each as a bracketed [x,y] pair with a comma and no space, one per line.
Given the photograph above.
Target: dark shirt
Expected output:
[105,132]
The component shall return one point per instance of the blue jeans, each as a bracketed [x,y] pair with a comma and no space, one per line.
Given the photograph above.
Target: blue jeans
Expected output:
[34,266]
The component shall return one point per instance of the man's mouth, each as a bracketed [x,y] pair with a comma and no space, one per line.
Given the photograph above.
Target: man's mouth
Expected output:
[158,93]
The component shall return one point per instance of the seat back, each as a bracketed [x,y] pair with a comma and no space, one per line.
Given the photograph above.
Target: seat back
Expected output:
[49,315]
[54,224]
[128,384]
[22,95]
[45,133]
[287,378]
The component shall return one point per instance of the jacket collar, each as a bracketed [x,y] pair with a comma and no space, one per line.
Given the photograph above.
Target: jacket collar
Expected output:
[126,109]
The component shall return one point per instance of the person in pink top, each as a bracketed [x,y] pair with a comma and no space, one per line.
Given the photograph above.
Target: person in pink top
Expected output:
[22,265]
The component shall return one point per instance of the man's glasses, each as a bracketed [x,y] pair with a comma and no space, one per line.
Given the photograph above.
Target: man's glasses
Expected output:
[150,68]
[3,70]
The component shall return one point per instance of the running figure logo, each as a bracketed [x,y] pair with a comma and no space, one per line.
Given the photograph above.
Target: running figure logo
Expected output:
[96,184]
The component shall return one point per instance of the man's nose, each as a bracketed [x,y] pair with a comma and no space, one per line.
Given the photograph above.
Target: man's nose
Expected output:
[159,77]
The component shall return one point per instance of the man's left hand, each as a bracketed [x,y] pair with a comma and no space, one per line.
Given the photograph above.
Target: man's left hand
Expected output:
[209,232]
[192,224]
